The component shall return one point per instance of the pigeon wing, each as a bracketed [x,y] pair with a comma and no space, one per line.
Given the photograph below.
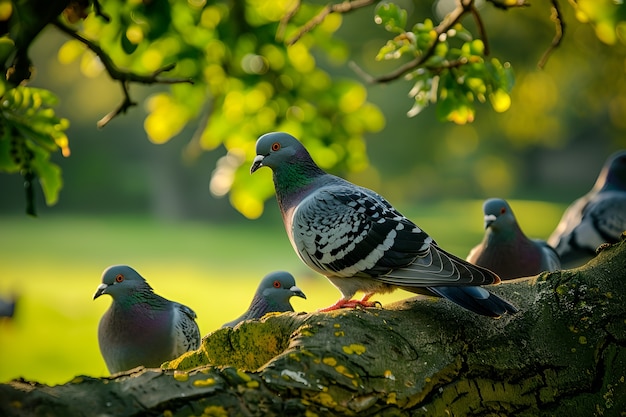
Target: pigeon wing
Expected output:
[608,215]
[550,260]
[346,231]
[186,332]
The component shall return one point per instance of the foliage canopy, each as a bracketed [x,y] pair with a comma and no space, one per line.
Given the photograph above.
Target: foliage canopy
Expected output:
[240,69]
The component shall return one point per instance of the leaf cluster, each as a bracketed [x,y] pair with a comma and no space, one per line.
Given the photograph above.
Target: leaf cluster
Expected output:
[241,69]
[453,70]
[29,132]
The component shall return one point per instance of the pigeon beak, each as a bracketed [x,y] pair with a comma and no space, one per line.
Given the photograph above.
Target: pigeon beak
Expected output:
[257,163]
[100,290]
[489,219]
[297,292]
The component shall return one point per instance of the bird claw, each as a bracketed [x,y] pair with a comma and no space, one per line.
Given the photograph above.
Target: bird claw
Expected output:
[602,247]
[352,304]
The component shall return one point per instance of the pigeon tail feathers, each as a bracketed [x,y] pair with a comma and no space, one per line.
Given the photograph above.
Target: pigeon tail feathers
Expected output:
[476,299]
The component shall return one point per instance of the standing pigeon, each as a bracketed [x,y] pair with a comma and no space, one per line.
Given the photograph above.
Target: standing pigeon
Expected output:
[272,295]
[357,240]
[597,217]
[141,327]
[506,250]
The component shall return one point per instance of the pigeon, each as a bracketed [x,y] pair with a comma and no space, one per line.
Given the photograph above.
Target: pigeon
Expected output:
[272,295]
[141,327]
[597,217]
[7,307]
[360,242]
[506,250]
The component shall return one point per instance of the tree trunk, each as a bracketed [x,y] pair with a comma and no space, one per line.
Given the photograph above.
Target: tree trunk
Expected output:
[563,354]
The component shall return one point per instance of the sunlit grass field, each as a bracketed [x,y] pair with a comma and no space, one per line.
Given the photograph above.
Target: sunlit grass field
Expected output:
[55,263]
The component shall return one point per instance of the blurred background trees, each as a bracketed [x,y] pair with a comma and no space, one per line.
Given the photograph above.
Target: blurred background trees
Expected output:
[462,130]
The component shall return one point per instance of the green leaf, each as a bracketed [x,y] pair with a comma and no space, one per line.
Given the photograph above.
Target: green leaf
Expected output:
[500,100]
[49,174]
[7,162]
[127,45]
[477,47]
[455,105]
[7,46]
[502,74]
[391,17]
[460,32]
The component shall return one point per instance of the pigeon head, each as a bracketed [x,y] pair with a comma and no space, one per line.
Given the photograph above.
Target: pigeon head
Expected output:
[279,287]
[613,175]
[277,149]
[121,280]
[498,214]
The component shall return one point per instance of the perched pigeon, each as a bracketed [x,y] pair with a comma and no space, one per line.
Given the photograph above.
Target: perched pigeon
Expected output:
[272,295]
[141,327]
[506,250]
[597,217]
[359,241]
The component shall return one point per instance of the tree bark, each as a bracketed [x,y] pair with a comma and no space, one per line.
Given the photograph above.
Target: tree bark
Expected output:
[563,354]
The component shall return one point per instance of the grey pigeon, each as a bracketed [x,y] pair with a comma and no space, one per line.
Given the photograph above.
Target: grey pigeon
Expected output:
[597,217]
[272,295]
[357,240]
[141,327]
[506,250]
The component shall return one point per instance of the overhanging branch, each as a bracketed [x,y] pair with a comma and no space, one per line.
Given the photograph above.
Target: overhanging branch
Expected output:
[463,7]
[123,76]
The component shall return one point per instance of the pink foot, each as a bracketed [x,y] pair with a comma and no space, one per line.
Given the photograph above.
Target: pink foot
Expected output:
[346,303]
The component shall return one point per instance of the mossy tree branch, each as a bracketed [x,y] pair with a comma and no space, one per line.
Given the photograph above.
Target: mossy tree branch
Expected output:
[563,354]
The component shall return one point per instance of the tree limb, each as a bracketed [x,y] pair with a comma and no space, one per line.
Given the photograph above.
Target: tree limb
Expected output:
[563,354]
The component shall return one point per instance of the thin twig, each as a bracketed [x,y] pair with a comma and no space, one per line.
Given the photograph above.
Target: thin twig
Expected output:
[345,7]
[463,7]
[481,29]
[122,108]
[282,25]
[98,11]
[559,28]
[194,147]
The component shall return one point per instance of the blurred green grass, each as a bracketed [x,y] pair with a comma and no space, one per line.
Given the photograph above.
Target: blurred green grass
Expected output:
[55,264]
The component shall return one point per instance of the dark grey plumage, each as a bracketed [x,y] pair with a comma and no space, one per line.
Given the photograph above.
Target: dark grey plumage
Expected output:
[506,250]
[597,217]
[357,240]
[141,327]
[272,296]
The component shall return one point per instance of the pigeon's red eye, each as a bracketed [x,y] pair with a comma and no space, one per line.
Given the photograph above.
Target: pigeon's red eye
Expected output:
[503,210]
[277,284]
[275,147]
[119,278]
